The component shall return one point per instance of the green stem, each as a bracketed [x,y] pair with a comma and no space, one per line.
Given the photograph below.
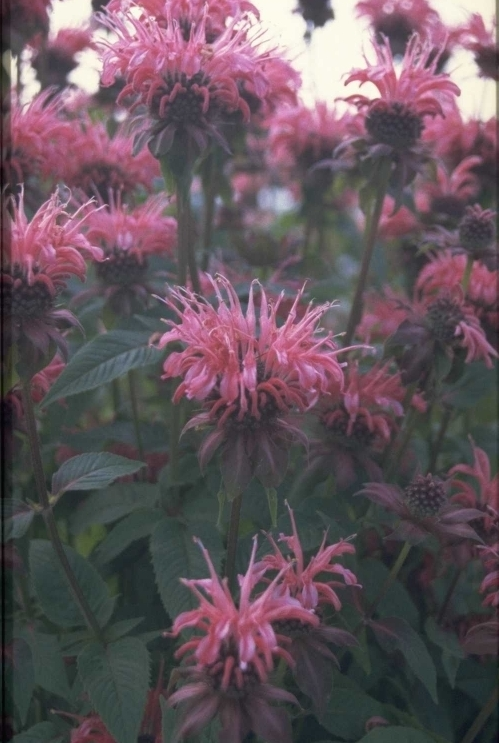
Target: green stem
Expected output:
[370,240]
[209,211]
[411,422]
[406,402]
[186,254]
[132,386]
[448,595]
[435,449]
[232,537]
[467,274]
[389,579]
[48,515]
[482,717]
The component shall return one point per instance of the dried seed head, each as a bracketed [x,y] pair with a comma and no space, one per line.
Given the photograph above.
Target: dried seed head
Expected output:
[425,496]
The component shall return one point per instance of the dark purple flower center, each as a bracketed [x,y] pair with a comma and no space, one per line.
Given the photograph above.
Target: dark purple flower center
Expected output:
[24,300]
[103,177]
[476,231]
[443,316]
[241,682]
[425,496]
[316,12]
[292,627]
[360,433]
[394,124]
[187,106]
[397,28]
[121,267]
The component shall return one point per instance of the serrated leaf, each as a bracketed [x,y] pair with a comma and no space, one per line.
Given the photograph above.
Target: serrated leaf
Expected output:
[175,555]
[42,732]
[397,601]
[137,525]
[116,678]
[53,592]
[452,652]
[476,382]
[23,681]
[92,471]
[111,504]
[18,517]
[394,633]
[49,669]
[115,631]
[396,734]
[348,711]
[103,359]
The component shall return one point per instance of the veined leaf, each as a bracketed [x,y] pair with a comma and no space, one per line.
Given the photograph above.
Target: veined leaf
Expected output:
[92,471]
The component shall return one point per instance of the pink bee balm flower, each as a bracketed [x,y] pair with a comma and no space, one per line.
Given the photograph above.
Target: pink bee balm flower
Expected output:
[487,497]
[396,117]
[55,59]
[446,270]
[230,661]
[312,658]
[250,379]
[190,12]
[38,258]
[101,164]
[482,41]
[445,198]
[490,584]
[399,20]
[36,136]
[187,89]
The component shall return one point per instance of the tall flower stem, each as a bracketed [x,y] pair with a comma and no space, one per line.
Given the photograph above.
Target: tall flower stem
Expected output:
[448,595]
[397,565]
[48,515]
[482,717]
[132,386]
[209,208]
[436,446]
[467,274]
[232,537]
[392,463]
[372,223]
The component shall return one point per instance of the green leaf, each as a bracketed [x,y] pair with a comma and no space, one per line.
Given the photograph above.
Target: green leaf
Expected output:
[49,669]
[116,678]
[175,555]
[452,652]
[348,711]
[53,592]
[115,631]
[92,471]
[135,526]
[396,734]
[111,504]
[18,517]
[23,682]
[396,602]
[271,494]
[476,382]
[168,716]
[103,359]
[42,732]
[394,633]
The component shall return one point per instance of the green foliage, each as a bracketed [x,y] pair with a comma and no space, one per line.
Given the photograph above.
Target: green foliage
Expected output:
[103,359]
[116,678]
[394,633]
[52,589]
[136,525]
[396,734]
[111,504]
[23,677]
[42,732]
[175,555]
[92,471]
[48,665]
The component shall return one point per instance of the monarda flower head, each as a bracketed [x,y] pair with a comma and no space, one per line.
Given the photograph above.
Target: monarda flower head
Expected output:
[229,659]
[395,121]
[188,13]
[102,165]
[423,509]
[482,41]
[186,90]
[306,582]
[129,238]
[251,375]
[38,258]
[398,21]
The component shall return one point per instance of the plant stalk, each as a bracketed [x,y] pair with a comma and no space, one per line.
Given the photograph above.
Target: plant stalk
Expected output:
[482,717]
[132,386]
[186,254]
[448,596]
[397,565]
[230,565]
[435,449]
[412,420]
[48,515]
[371,232]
